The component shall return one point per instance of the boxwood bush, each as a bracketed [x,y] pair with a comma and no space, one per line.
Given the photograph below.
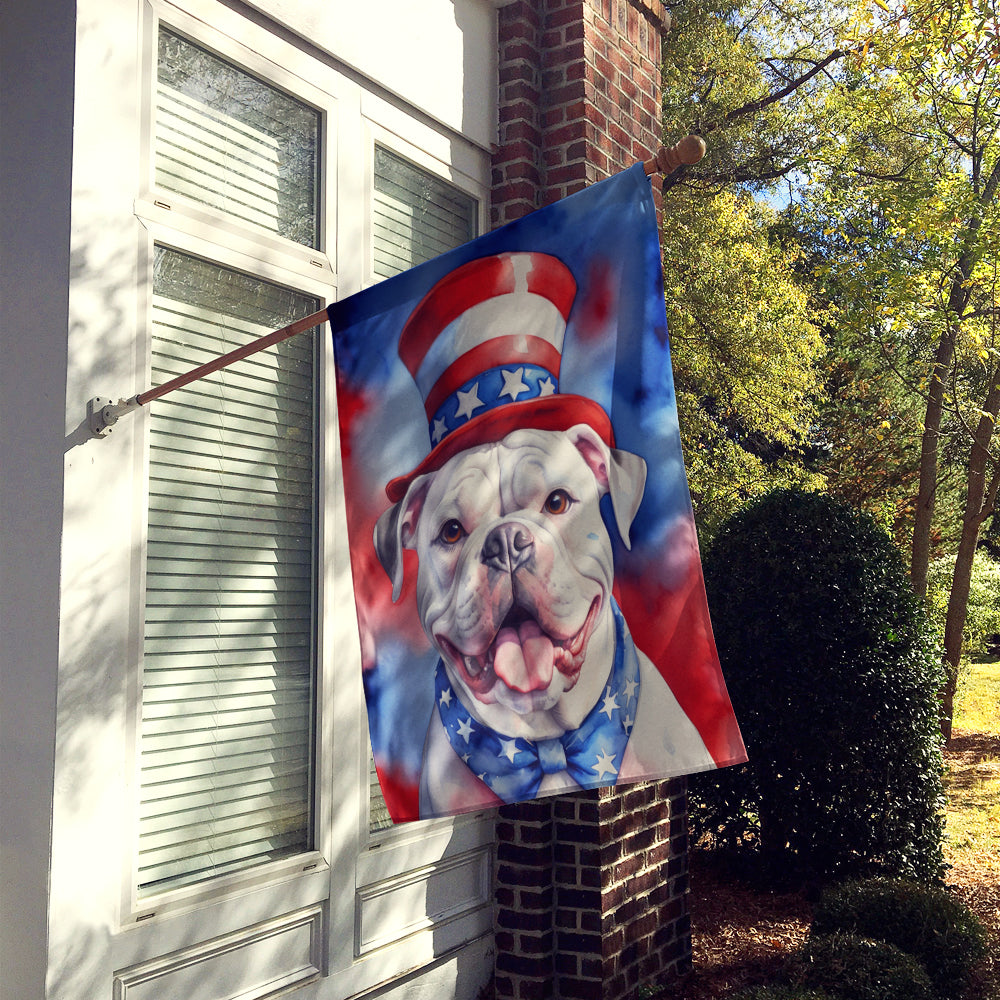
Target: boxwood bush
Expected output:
[833,672]
[924,921]
[856,968]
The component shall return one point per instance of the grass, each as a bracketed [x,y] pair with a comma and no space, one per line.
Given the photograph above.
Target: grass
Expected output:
[972,848]
[978,698]
[973,783]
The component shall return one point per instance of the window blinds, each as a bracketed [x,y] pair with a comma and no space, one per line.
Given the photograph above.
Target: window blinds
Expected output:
[415,217]
[225,139]
[227,680]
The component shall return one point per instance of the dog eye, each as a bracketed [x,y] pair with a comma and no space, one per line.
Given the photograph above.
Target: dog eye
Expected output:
[558,502]
[451,532]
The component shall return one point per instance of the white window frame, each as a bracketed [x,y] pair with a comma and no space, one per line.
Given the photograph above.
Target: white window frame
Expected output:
[139,909]
[179,224]
[390,859]
[351,874]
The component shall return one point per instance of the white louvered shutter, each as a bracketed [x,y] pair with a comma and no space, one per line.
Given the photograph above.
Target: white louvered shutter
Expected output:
[416,216]
[232,142]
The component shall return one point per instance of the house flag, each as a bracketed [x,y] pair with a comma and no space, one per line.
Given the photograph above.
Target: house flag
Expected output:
[529,592]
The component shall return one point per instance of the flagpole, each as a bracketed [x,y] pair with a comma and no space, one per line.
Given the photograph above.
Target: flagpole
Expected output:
[687,152]
[103,413]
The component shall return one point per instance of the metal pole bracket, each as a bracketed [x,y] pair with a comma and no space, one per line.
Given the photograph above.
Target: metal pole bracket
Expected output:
[103,413]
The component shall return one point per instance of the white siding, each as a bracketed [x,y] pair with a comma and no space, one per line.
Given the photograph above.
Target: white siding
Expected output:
[77,502]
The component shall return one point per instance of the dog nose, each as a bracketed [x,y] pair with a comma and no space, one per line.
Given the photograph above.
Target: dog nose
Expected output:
[507,547]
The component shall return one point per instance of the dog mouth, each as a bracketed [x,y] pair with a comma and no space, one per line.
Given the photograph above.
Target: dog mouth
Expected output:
[523,655]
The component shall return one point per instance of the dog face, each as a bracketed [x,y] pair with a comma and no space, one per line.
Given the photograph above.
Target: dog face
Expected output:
[515,571]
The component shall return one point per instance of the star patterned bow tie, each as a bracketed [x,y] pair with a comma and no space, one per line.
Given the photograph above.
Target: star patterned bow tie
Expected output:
[513,767]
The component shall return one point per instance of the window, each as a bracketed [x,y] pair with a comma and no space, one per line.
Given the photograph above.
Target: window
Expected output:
[228,686]
[253,801]
[227,140]
[210,831]
[229,649]
[415,217]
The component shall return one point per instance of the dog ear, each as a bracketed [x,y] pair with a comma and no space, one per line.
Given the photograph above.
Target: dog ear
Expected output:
[626,484]
[394,531]
[619,473]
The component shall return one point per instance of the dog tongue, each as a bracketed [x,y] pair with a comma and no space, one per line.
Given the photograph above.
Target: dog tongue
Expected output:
[524,657]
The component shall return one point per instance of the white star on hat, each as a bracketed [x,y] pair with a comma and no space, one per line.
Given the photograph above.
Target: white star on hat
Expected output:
[513,383]
[547,387]
[468,402]
[439,430]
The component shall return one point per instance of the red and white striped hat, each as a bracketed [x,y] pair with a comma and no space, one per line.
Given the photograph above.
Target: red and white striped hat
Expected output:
[484,347]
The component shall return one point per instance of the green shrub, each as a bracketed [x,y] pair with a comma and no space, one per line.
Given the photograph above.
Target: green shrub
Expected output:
[856,968]
[833,673]
[925,922]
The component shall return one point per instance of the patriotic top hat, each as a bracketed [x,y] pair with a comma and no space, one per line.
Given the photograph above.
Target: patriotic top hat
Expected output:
[484,347]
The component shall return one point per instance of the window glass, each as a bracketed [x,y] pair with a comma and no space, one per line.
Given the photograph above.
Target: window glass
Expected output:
[228,679]
[416,216]
[228,140]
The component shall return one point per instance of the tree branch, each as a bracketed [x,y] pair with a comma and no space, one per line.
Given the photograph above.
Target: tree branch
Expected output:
[754,106]
[872,175]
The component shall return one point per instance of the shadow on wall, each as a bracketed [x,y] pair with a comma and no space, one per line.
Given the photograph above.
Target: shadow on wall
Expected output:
[95,703]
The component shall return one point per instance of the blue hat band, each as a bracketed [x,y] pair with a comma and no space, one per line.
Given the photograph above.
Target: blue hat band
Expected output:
[490,390]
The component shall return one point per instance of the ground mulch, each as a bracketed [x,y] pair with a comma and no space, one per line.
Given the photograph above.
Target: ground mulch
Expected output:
[742,934]
[975,876]
[982,896]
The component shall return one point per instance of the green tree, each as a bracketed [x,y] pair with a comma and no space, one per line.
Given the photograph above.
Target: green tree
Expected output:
[747,357]
[747,353]
[911,190]
[747,77]
[879,122]
[867,432]
[982,620]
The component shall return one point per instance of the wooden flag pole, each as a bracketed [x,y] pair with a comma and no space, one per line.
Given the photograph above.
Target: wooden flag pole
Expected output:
[260,344]
[687,152]
[103,413]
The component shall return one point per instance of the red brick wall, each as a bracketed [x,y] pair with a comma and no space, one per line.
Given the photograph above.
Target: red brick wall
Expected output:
[591,889]
[591,893]
[579,96]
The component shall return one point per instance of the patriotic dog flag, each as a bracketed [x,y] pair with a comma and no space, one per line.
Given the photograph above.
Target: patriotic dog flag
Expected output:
[529,593]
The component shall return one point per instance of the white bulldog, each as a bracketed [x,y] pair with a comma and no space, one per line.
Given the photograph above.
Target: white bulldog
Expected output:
[514,590]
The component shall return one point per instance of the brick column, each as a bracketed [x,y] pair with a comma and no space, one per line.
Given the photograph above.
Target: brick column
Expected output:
[591,888]
[524,901]
[579,96]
